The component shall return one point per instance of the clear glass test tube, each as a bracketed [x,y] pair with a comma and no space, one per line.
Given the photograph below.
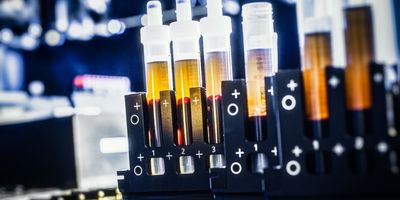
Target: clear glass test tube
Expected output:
[258,36]
[185,35]
[156,40]
[215,29]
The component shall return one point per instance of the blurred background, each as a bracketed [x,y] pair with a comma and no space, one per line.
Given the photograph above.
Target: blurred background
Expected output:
[65,65]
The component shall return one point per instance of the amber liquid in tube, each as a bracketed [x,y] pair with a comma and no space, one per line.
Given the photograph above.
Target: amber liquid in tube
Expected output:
[217,69]
[187,75]
[258,65]
[157,76]
[317,56]
[359,51]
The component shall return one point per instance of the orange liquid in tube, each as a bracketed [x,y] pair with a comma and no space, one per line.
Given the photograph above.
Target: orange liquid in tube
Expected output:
[259,62]
[317,56]
[359,51]
[156,40]
[187,75]
[258,65]
[217,69]
[157,77]
[185,34]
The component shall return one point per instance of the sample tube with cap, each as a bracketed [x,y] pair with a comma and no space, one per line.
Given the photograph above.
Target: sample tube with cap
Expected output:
[185,34]
[360,53]
[317,56]
[258,38]
[216,30]
[156,40]
[259,43]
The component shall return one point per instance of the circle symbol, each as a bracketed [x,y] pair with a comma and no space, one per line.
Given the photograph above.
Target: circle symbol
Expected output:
[293,168]
[135,119]
[232,109]
[288,102]
[236,168]
[138,170]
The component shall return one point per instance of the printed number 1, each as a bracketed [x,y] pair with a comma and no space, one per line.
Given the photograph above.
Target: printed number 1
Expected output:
[255,147]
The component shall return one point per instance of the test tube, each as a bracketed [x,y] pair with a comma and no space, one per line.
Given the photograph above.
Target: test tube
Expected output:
[156,40]
[185,34]
[317,56]
[258,38]
[359,52]
[260,43]
[216,30]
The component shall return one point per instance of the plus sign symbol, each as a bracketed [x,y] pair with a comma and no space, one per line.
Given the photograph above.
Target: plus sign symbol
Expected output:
[140,157]
[235,93]
[292,85]
[137,106]
[239,152]
[165,103]
[196,100]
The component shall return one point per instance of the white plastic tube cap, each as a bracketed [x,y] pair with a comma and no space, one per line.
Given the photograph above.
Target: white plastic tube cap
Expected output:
[317,25]
[185,32]
[214,8]
[155,36]
[258,26]
[154,13]
[183,10]
[215,28]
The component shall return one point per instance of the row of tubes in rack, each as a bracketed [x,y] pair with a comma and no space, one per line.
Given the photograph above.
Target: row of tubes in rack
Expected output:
[215,29]
[261,58]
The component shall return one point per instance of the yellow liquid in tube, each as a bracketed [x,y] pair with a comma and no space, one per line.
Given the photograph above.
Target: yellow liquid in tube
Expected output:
[157,76]
[187,75]
[217,69]
[317,56]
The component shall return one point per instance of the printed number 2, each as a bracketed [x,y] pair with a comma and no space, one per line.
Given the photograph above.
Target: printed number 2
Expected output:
[183,151]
